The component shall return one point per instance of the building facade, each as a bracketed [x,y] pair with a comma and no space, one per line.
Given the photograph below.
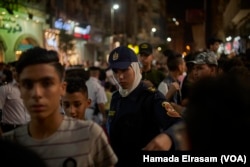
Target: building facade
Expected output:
[84,31]
[21,27]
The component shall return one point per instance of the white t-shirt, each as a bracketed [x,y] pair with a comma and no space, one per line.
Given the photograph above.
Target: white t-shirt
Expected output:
[163,88]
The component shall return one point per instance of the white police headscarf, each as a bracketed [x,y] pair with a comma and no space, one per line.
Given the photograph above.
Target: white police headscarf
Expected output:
[136,68]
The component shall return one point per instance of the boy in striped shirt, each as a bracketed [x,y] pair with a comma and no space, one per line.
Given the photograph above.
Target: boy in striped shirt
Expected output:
[59,140]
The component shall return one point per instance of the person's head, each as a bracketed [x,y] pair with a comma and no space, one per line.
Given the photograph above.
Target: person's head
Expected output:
[13,69]
[176,63]
[76,100]
[205,65]
[7,76]
[217,115]
[188,58]
[168,52]
[213,44]
[94,71]
[107,86]
[41,79]
[226,64]
[146,54]
[125,66]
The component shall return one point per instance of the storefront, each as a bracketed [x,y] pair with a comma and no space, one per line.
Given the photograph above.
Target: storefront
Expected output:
[236,45]
[18,32]
[72,41]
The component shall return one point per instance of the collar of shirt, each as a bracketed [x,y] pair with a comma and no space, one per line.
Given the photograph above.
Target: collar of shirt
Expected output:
[94,79]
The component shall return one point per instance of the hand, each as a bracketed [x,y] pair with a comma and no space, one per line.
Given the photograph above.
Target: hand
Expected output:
[171,111]
[162,142]
[175,86]
[178,108]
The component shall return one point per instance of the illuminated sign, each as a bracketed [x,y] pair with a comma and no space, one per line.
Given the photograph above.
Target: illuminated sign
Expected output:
[9,24]
[81,32]
[135,48]
[60,24]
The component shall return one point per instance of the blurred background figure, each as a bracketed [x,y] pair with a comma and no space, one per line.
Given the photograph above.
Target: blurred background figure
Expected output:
[205,65]
[150,75]
[187,80]
[213,45]
[97,94]
[2,66]
[108,90]
[13,113]
[170,86]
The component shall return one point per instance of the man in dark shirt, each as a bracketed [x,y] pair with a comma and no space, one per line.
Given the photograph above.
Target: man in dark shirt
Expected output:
[150,76]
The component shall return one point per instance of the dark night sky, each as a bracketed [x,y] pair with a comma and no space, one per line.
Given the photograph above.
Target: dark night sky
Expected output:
[178,7]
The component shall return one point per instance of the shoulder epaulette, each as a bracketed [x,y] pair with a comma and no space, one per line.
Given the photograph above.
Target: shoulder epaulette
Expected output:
[151,89]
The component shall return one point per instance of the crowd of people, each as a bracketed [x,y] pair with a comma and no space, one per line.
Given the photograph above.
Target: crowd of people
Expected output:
[199,104]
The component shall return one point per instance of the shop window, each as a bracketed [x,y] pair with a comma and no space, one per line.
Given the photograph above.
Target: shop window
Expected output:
[23,45]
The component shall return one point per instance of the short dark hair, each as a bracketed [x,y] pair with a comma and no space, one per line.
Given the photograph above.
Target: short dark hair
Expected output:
[8,74]
[76,84]
[174,61]
[212,40]
[188,58]
[12,64]
[168,52]
[94,68]
[38,55]
[227,64]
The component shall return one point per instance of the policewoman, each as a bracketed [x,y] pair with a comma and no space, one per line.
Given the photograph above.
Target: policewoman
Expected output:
[137,119]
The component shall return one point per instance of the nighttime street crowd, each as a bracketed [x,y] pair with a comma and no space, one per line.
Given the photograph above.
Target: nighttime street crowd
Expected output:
[53,118]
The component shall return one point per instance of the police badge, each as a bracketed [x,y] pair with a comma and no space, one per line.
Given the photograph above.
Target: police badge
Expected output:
[115,56]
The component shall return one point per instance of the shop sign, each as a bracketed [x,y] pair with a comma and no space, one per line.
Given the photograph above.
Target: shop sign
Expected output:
[82,32]
[10,25]
[61,25]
